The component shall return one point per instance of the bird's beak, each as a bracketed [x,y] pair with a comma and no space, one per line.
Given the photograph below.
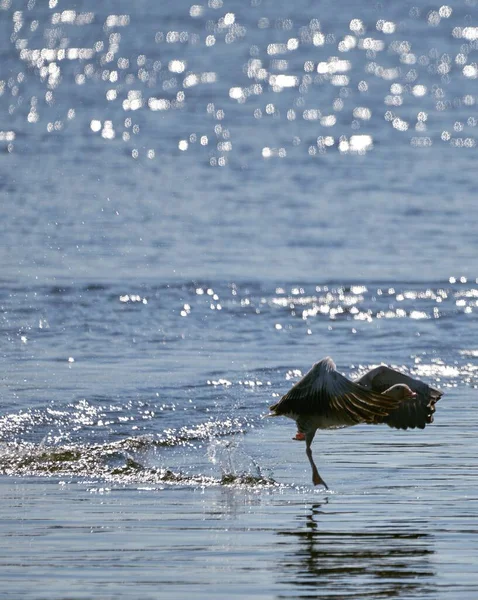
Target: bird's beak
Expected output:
[413,395]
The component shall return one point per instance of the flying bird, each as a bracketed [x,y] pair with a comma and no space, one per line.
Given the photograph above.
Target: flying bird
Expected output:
[325,399]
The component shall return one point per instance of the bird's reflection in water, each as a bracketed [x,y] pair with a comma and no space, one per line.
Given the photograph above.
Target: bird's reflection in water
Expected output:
[378,562]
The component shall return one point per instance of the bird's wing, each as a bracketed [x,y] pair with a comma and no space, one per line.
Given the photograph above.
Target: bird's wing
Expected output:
[382,378]
[324,391]
[412,412]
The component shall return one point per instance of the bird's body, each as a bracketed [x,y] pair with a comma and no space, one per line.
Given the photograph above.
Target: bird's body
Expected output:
[325,399]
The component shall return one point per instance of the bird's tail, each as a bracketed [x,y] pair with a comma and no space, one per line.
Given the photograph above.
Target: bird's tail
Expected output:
[272,408]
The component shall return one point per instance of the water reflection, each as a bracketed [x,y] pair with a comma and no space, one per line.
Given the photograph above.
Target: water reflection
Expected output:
[385,561]
[256,64]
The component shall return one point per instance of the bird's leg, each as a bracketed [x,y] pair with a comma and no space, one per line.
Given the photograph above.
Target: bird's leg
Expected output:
[316,478]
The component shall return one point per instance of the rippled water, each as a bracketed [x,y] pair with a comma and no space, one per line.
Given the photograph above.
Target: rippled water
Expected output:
[145,412]
[198,202]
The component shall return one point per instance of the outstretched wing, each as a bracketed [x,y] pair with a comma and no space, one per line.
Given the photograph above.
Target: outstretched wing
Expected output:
[382,378]
[324,391]
[413,412]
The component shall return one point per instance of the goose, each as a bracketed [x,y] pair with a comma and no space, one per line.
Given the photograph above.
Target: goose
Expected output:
[325,399]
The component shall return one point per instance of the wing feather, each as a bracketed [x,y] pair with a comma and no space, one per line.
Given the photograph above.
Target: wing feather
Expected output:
[412,412]
[382,378]
[324,391]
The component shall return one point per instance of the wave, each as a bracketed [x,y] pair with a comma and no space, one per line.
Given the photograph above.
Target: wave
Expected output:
[123,462]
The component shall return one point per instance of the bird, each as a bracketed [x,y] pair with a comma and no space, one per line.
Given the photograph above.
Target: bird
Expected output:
[326,399]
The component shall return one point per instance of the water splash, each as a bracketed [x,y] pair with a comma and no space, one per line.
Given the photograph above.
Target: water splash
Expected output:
[109,462]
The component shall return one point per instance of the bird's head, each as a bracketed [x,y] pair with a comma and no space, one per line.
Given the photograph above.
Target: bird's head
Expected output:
[401,391]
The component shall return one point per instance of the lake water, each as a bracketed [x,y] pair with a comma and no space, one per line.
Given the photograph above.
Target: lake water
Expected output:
[199,201]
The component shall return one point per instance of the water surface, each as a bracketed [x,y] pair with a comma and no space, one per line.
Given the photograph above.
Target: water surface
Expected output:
[198,203]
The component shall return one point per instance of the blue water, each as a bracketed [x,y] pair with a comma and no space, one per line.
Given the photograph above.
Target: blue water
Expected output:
[198,202]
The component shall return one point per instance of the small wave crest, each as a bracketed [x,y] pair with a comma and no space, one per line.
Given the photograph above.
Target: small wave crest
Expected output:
[125,462]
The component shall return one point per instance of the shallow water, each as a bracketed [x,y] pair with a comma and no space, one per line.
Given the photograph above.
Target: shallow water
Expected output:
[160,445]
[198,203]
